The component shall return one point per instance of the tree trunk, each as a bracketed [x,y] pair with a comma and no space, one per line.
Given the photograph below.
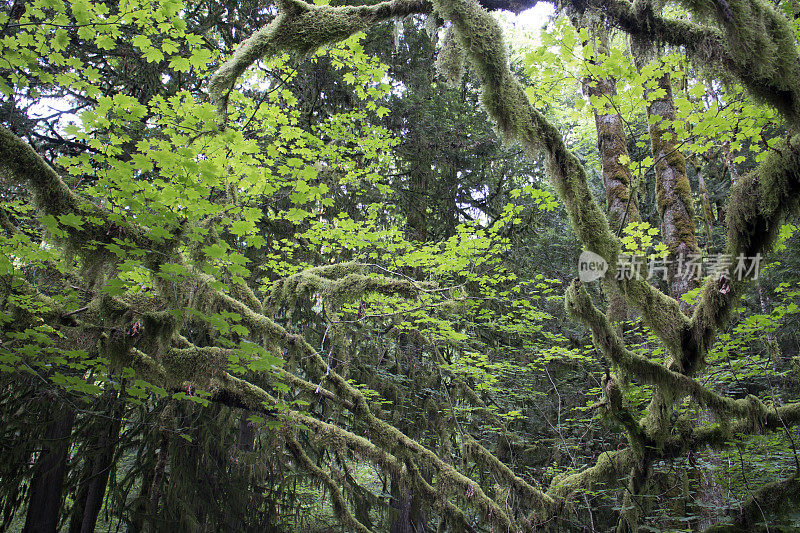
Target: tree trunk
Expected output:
[673,194]
[617,178]
[406,513]
[155,488]
[97,467]
[48,479]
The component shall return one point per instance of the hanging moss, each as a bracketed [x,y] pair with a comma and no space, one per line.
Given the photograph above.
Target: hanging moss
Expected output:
[755,44]
[610,468]
[339,504]
[758,204]
[450,60]
[541,503]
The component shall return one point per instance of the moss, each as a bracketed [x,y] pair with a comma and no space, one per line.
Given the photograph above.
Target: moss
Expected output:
[754,45]
[542,503]
[450,60]
[338,502]
[610,468]
[338,284]
[302,28]
[758,204]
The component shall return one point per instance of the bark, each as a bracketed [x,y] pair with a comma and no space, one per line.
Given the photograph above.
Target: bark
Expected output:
[673,193]
[708,216]
[156,484]
[612,144]
[97,467]
[406,513]
[48,480]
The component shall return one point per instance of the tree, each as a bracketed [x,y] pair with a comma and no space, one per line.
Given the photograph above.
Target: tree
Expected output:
[150,300]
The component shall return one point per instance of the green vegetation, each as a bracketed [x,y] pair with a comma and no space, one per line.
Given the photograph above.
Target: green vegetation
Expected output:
[313,266]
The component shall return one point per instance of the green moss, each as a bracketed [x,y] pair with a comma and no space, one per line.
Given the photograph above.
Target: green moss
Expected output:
[450,61]
[338,284]
[610,468]
[302,28]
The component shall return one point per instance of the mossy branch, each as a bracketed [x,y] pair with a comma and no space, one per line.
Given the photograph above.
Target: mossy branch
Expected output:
[505,100]
[580,306]
[339,504]
[610,468]
[775,497]
[53,197]
[760,201]
[243,393]
[755,45]
[542,503]
[302,28]
[337,284]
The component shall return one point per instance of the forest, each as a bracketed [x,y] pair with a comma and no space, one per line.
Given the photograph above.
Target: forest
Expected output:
[399,266]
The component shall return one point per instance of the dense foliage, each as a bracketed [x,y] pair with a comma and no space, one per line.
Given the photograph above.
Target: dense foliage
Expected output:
[286,266]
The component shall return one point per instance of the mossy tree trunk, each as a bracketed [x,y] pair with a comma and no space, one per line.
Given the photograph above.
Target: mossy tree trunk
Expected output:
[621,203]
[673,193]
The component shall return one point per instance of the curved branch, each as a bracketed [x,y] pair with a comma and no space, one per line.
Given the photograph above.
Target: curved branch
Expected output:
[579,305]
[756,44]
[760,201]
[302,28]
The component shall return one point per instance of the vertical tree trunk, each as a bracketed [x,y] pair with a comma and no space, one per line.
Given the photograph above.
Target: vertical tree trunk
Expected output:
[612,144]
[155,488]
[406,514]
[97,467]
[44,505]
[708,216]
[673,193]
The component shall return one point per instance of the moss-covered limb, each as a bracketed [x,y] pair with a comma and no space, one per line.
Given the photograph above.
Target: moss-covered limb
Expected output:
[540,502]
[24,165]
[242,292]
[450,60]
[761,419]
[392,438]
[453,513]
[760,36]
[773,81]
[147,368]
[504,99]
[759,202]
[340,507]
[579,305]
[778,497]
[636,488]
[52,196]
[309,388]
[659,311]
[338,284]
[302,28]
[611,468]
[240,392]
[217,356]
